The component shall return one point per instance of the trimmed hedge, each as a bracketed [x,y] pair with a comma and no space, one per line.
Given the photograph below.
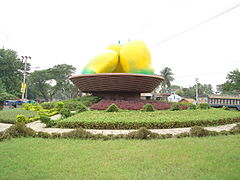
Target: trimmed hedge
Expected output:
[148,125]
[154,120]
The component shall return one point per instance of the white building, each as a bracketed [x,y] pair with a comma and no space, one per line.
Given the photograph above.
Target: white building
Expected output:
[174,98]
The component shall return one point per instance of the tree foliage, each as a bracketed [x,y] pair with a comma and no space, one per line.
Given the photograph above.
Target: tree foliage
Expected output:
[11,71]
[232,85]
[48,83]
[203,90]
[167,74]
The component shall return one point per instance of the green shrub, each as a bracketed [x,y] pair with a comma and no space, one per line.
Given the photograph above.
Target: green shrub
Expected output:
[36,107]
[235,129]
[225,108]
[142,133]
[198,131]
[49,112]
[37,117]
[86,100]
[78,133]
[21,118]
[203,106]
[56,135]
[27,106]
[224,132]
[43,134]
[52,123]
[182,135]
[65,112]
[59,105]
[165,136]
[72,105]
[81,108]
[148,108]
[112,108]
[48,105]
[175,107]
[20,130]
[89,100]
[4,135]
[192,106]
[9,116]
[45,119]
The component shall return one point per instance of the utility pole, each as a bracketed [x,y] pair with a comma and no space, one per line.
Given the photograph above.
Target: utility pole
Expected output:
[24,86]
[196,90]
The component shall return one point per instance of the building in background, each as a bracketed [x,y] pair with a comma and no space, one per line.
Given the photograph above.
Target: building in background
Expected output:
[230,101]
[174,98]
[187,100]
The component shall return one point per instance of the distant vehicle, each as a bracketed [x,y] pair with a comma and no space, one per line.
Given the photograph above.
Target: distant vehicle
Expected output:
[20,102]
[224,100]
[10,102]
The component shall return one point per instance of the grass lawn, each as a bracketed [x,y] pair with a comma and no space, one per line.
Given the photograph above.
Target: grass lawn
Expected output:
[188,158]
[9,116]
[156,119]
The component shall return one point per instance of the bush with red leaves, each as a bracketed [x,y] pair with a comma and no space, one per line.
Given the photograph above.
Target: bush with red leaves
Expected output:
[132,104]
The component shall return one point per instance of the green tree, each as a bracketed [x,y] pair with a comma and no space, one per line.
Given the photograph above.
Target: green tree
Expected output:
[232,85]
[48,83]
[180,92]
[38,85]
[167,74]
[68,92]
[11,71]
[203,90]
[61,73]
[189,92]
[4,95]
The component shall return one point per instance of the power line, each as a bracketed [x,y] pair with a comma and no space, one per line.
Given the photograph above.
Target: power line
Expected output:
[196,25]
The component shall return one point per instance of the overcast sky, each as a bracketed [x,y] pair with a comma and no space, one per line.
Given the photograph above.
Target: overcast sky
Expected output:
[72,32]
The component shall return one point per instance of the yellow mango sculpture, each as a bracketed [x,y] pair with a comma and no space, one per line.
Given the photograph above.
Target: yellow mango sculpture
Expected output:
[105,62]
[133,57]
[117,48]
[136,58]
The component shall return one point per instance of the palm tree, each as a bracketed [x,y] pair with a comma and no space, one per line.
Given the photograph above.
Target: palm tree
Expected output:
[167,74]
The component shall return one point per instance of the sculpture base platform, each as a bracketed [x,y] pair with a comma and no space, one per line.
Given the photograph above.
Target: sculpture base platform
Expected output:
[116,85]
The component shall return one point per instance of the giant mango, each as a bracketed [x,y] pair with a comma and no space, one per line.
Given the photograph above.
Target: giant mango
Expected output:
[133,57]
[105,62]
[117,48]
[136,58]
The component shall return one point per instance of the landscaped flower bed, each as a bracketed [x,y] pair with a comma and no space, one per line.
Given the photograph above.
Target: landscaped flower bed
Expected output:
[132,104]
[150,120]
[9,116]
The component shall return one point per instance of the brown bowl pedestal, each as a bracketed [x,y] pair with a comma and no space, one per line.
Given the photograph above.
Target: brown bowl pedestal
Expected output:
[116,85]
